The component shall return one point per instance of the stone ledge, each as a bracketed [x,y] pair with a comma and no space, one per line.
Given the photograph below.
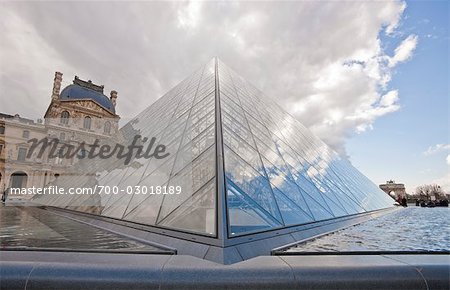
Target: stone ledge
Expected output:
[39,270]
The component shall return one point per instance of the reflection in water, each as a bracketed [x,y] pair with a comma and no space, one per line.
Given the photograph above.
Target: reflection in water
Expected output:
[411,229]
[30,227]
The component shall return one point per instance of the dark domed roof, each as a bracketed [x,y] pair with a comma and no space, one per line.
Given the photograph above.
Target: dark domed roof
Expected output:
[77,92]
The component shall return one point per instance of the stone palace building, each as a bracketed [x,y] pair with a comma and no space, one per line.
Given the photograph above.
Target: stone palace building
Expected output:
[80,112]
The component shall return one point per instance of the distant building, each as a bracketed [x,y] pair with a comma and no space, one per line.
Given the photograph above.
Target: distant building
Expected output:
[393,189]
[80,112]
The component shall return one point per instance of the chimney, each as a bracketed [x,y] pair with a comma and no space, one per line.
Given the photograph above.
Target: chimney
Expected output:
[113,98]
[56,85]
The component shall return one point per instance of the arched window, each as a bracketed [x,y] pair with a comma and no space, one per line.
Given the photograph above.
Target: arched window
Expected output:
[2,129]
[19,179]
[87,122]
[65,117]
[107,128]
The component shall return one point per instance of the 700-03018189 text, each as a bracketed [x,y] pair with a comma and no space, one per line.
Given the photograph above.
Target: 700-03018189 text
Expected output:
[138,189]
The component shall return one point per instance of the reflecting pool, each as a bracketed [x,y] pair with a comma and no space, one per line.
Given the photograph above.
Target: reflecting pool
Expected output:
[28,228]
[409,229]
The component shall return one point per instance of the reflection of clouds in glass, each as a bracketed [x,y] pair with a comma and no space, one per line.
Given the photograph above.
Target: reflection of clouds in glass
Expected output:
[295,161]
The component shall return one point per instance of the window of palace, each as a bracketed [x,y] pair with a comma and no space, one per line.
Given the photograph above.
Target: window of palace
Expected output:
[87,122]
[107,128]
[65,117]
[22,153]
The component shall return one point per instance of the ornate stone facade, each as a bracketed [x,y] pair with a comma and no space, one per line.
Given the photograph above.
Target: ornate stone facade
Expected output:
[82,115]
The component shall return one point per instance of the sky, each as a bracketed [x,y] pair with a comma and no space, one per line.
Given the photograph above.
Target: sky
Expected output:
[369,78]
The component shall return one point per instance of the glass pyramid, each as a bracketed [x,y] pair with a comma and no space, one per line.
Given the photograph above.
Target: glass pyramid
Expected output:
[243,164]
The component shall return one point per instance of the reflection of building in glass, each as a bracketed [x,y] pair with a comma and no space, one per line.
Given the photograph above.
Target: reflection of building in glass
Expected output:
[395,190]
[244,165]
[65,120]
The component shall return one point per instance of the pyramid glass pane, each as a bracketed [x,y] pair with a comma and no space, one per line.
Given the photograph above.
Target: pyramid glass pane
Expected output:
[245,214]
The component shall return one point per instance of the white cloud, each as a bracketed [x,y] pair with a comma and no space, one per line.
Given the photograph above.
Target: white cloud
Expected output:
[331,74]
[448,159]
[33,56]
[404,51]
[436,148]
[188,14]
[395,15]
[389,99]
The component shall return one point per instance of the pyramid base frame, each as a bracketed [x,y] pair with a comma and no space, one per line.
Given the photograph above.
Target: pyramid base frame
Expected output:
[228,251]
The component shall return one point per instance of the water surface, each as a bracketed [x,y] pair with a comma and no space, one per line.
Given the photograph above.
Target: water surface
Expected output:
[35,228]
[409,229]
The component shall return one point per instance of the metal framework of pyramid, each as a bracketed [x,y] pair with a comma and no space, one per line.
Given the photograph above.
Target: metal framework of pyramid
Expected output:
[245,166]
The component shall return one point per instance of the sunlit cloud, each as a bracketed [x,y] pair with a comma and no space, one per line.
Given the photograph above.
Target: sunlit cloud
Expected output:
[404,51]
